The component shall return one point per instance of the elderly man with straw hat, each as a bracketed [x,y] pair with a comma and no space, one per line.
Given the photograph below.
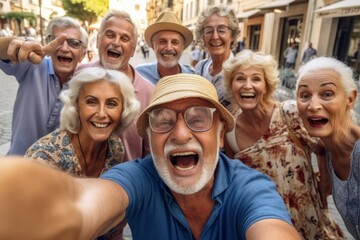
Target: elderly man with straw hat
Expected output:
[186,189]
[168,38]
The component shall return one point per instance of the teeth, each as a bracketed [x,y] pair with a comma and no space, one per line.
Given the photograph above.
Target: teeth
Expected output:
[184,169]
[183,154]
[101,125]
[216,45]
[247,94]
[114,51]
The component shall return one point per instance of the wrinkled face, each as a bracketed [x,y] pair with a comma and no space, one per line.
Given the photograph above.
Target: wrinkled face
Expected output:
[322,103]
[100,108]
[218,43]
[168,47]
[65,58]
[186,160]
[249,87]
[116,43]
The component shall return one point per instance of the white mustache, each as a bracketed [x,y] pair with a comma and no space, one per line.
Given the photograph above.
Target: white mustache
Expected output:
[169,147]
[168,52]
[112,47]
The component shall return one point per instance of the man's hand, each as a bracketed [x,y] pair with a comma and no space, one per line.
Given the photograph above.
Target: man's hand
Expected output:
[20,49]
[36,202]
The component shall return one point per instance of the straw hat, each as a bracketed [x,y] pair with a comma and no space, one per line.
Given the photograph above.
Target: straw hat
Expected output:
[180,86]
[170,22]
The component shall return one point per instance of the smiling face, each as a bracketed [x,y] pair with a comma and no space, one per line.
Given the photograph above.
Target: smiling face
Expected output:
[168,47]
[322,103]
[249,87]
[116,43]
[184,159]
[65,59]
[218,44]
[100,107]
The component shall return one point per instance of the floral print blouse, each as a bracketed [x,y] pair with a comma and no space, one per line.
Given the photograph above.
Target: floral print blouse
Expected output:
[289,165]
[56,149]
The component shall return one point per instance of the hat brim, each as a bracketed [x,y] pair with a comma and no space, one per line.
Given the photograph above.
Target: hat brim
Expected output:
[168,26]
[224,114]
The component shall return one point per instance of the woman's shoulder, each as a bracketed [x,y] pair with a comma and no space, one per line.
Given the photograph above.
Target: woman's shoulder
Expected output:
[51,148]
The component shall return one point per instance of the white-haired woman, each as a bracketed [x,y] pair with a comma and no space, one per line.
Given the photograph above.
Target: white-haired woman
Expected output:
[269,137]
[217,30]
[98,105]
[326,94]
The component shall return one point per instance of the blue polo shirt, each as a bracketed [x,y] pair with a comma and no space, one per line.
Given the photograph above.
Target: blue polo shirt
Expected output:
[242,197]
[37,108]
[150,72]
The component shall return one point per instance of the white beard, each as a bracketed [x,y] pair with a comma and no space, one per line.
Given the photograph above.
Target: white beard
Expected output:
[162,167]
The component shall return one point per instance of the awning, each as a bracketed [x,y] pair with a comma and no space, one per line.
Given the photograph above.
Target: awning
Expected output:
[276,4]
[344,8]
[247,14]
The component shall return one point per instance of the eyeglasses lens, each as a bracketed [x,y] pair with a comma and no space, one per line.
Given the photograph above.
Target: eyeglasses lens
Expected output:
[71,42]
[198,119]
[222,30]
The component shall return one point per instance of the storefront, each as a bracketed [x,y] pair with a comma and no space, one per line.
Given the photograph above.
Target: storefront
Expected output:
[344,17]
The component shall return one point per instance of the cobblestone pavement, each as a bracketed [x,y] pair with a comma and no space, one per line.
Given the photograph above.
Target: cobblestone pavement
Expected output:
[7,97]
[8,88]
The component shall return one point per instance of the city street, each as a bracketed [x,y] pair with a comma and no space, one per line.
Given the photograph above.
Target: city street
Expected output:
[7,96]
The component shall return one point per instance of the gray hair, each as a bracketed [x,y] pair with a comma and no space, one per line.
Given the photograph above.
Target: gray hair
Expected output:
[69,117]
[221,11]
[247,58]
[317,64]
[68,22]
[122,15]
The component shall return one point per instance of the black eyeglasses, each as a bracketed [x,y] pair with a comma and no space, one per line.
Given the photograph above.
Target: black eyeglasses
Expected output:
[197,118]
[71,42]
[222,30]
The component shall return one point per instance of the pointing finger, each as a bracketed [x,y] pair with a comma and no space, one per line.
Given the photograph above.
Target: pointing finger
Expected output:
[54,44]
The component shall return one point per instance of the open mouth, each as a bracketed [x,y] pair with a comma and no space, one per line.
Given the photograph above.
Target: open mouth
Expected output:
[168,54]
[318,121]
[218,44]
[248,95]
[184,161]
[64,59]
[100,125]
[113,53]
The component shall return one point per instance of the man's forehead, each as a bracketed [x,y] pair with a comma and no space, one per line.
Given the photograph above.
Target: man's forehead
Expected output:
[166,34]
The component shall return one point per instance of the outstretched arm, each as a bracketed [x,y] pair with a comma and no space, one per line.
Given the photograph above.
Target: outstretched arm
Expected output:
[38,202]
[18,49]
[272,229]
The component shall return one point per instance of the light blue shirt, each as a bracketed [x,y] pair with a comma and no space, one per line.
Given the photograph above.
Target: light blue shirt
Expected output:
[242,197]
[150,72]
[202,68]
[37,107]
[346,193]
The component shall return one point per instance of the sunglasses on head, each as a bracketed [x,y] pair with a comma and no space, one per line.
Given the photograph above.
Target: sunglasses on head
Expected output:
[71,42]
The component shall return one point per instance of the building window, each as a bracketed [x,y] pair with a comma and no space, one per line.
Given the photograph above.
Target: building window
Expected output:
[255,37]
